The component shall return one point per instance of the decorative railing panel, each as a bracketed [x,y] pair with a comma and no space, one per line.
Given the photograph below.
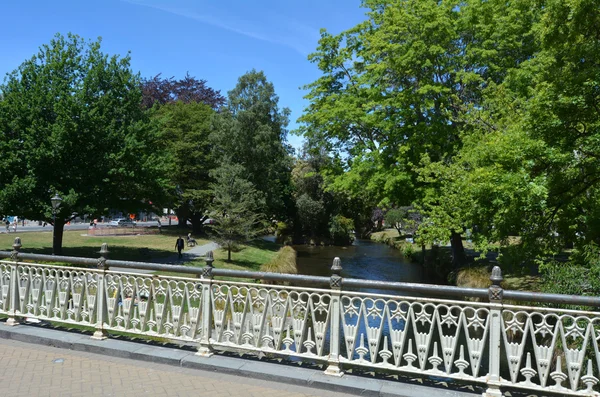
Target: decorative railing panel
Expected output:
[487,342]
[169,307]
[439,338]
[5,279]
[287,321]
[58,294]
[551,349]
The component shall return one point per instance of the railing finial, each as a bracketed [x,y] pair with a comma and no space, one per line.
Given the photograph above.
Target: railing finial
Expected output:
[496,292]
[496,277]
[209,259]
[336,271]
[14,255]
[103,254]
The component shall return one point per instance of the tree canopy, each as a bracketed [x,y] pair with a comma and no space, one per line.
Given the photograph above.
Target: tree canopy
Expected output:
[160,91]
[252,131]
[71,123]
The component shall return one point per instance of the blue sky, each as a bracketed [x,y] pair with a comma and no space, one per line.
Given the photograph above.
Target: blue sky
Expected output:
[213,40]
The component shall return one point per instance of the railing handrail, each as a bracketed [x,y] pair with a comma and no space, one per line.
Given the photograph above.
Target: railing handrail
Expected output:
[417,288]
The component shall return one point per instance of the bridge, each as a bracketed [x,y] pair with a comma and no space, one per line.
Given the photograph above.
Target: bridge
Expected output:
[492,339]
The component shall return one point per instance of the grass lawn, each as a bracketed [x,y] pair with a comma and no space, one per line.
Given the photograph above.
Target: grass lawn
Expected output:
[249,257]
[134,248]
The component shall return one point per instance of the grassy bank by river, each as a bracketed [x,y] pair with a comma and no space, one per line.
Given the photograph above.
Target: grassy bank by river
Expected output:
[76,243]
[473,275]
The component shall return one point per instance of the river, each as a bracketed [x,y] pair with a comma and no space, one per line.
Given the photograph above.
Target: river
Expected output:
[364,259]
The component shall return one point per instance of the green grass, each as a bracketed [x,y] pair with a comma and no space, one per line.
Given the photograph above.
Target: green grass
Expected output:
[249,257]
[134,248]
[283,262]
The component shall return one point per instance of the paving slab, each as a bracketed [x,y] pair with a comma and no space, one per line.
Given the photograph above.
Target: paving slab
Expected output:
[250,368]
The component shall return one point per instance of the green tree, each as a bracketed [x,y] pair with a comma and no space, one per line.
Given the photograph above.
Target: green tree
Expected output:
[529,166]
[184,130]
[396,89]
[236,207]
[71,123]
[251,131]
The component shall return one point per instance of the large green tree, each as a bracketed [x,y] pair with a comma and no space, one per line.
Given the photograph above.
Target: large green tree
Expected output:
[529,168]
[395,89]
[71,123]
[252,131]
[184,130]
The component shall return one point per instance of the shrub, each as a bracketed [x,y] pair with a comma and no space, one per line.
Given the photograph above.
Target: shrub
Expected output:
[341,230]
[284,262]
[408,250]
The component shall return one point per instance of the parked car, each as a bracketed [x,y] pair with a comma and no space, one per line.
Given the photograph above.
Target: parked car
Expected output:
[122,222]
[209,221]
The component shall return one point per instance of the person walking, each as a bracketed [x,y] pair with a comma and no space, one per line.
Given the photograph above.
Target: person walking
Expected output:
[7,223]
[179,244]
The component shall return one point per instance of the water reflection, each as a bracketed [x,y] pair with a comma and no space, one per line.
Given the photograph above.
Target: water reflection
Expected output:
[364,260]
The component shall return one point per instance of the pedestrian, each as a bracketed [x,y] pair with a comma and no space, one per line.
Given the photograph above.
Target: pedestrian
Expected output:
[7,222]
[159,225]
[15,227]
[179,246]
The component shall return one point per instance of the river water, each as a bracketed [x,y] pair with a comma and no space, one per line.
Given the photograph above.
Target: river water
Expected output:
[364,259]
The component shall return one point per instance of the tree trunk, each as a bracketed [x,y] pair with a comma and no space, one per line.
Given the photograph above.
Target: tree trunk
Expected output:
[57,236]
[459,257]
[228,254]
[182,216]
[197,226]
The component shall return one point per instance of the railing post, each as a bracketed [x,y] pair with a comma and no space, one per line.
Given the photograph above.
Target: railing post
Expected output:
[101,312]
[205,349]
[495,297]
[335,283]
[14,284]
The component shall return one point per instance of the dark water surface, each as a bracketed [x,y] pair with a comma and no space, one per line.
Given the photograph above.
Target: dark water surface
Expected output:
[364,259]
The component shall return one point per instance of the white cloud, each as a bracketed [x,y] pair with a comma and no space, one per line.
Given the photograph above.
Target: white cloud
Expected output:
[277,30]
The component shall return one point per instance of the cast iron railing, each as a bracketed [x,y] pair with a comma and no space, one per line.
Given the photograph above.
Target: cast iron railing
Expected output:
[332,320]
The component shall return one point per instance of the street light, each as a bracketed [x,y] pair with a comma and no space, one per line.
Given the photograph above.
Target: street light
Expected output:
[56,200]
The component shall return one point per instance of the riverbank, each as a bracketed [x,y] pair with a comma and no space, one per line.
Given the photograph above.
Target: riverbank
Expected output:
[77,243]
[475,274]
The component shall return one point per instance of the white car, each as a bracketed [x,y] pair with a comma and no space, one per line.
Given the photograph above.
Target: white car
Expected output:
[122,222]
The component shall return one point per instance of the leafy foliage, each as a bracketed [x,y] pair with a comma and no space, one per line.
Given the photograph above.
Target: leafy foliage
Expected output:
[251,131]
[236,207]
[161,91]
[184,130]
[71,123]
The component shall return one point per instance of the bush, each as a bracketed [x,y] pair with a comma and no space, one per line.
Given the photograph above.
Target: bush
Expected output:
[341,230]
[578,276]
[408,250]
[284,262]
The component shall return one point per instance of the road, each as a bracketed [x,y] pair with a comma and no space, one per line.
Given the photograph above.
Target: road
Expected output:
[31,226]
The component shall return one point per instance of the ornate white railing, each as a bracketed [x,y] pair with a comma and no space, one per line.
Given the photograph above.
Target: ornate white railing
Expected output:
[492,343]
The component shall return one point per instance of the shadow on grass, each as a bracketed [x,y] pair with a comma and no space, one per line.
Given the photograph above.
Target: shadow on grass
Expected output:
[140,254]
[265,245]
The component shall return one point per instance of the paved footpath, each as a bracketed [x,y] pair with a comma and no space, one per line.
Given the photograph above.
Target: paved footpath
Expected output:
[35,371]
[191,254]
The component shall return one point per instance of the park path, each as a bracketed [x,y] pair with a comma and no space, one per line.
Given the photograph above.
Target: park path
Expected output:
[189,255]
[36,371]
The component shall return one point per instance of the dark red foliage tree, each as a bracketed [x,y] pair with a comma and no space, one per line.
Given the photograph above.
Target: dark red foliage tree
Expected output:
[189,89]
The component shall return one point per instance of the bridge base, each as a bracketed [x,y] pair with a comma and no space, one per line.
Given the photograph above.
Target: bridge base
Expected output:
[334,370]
[492,392]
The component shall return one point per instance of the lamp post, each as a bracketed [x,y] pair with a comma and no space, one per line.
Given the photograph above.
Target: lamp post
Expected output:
[56,200]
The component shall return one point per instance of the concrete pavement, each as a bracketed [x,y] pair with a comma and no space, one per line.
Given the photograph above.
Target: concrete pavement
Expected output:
[56,359]
[36,371]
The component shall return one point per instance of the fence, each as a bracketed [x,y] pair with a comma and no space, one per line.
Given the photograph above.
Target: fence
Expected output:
[329,320]
[121,231]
